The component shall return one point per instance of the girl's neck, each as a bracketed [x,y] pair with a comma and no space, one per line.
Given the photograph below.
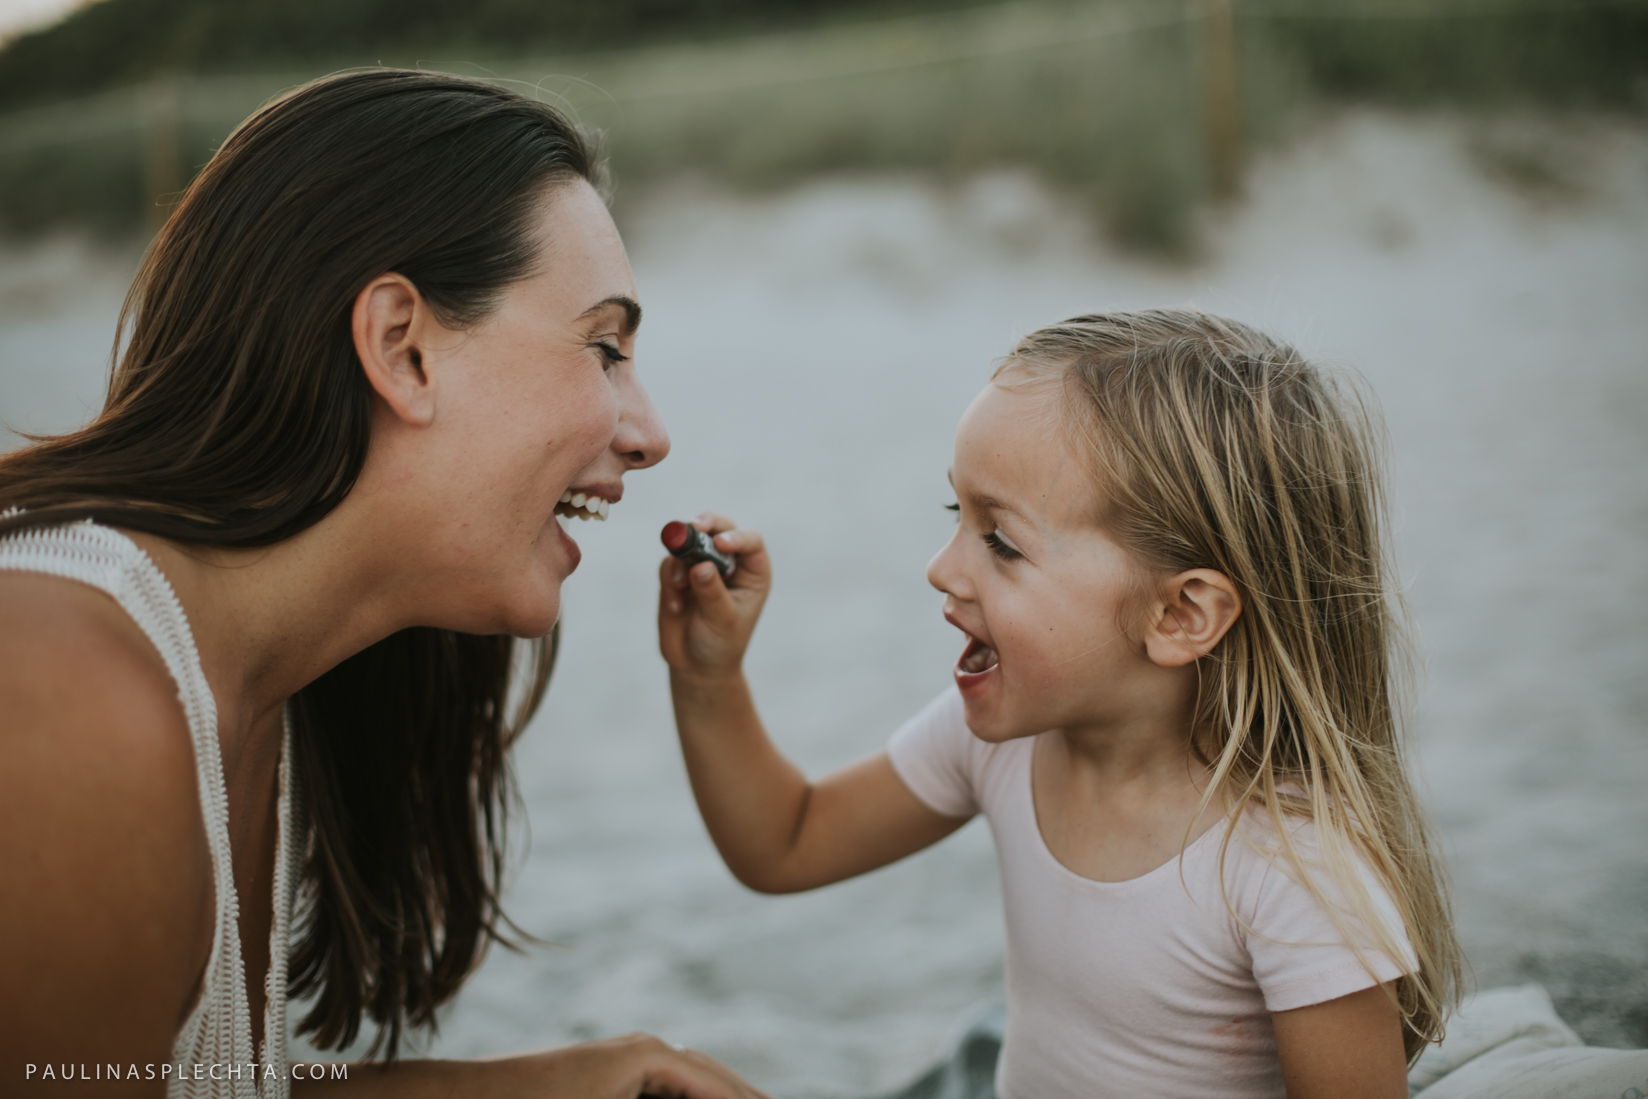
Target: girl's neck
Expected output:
[1115,802]
[1152,744]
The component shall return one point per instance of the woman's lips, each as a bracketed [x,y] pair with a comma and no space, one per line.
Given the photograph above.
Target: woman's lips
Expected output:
[568,546]
[977,664]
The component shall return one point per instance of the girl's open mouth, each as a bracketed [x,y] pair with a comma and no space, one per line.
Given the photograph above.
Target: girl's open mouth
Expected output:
[977,661]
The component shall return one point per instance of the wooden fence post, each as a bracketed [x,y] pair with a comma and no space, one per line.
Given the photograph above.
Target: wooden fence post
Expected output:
[164,178]
[1224,107]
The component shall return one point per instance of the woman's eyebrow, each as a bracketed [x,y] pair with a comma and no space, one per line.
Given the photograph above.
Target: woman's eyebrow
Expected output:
[631,308]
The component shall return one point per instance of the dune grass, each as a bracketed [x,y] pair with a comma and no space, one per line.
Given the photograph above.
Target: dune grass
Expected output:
[1107,101]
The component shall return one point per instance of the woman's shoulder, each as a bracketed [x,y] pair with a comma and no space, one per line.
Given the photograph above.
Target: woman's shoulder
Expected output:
[100,835]
[69,653]
[92,714]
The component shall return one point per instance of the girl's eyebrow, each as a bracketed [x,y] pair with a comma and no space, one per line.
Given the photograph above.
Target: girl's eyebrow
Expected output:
[631,308]
[984,502]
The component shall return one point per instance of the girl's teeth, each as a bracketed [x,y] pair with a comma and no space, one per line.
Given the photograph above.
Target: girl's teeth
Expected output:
[578,500]
[566,497]
[981,659]
[606,508]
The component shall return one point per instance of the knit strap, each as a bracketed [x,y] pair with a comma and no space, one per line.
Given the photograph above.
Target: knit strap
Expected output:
[218,1032]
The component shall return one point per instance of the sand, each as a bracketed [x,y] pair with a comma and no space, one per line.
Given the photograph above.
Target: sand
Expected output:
[811,352]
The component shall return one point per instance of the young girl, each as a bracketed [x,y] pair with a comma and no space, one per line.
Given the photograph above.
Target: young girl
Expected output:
[1175,706]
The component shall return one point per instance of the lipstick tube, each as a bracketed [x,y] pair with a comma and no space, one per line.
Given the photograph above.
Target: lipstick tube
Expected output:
[692,545]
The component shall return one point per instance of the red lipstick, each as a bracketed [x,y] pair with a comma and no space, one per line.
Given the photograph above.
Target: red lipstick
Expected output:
[692,545]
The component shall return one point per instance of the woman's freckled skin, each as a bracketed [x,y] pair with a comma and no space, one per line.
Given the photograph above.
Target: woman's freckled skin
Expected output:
[527,405]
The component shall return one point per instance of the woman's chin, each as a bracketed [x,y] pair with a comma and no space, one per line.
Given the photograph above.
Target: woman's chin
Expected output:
[533,617]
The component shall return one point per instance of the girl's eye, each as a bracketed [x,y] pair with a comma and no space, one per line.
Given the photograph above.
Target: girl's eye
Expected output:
[955,508]
[611,354]
[1002,546]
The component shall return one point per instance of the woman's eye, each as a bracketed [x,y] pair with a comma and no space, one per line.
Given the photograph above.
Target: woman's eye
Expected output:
[611,354]
[1002,546]
[955,508]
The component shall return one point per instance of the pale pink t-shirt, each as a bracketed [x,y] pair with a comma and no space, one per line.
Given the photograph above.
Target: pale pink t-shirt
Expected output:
[1141,987]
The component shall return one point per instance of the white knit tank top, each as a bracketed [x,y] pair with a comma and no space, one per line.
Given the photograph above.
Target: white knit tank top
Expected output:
[213,1056]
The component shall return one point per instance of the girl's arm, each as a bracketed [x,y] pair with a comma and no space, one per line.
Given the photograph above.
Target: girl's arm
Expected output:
[1349,1048]
[777,832]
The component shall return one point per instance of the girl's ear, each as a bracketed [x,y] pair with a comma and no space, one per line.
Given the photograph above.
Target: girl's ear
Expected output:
[1195,610]
[391,322]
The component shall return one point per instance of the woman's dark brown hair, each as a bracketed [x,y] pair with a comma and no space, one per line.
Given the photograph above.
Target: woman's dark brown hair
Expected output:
[238,415]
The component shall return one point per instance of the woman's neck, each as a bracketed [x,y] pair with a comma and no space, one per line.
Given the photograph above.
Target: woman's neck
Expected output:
[268,621]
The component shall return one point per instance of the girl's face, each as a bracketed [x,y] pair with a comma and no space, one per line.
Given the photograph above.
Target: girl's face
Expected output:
[1032,581]
[538,402]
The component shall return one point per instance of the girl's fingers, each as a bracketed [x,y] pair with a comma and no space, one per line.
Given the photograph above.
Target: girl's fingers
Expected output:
[741,542]
[712,522]
[754,569]
[669,586]
[714,601]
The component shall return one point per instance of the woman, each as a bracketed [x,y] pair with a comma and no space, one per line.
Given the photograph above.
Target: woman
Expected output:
[256,618]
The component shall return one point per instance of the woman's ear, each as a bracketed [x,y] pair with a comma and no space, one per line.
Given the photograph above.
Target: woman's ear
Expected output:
[391,322]
[1195,609]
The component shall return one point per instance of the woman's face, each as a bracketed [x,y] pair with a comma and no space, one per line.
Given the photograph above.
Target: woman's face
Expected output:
[538,402]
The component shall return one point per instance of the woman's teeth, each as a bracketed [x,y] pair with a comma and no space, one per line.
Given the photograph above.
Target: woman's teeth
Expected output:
[583,506]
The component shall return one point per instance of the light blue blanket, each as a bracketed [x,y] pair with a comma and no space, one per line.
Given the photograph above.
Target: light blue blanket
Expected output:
[1506,1043]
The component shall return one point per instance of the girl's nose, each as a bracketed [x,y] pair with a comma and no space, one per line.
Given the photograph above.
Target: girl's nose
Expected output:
[641,439]
[943,570]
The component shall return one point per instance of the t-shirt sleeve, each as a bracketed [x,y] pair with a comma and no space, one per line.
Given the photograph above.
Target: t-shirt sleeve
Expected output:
[933,754]
[1300,954]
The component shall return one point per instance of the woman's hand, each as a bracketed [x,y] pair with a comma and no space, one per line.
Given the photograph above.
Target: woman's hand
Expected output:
[630,1067]
[704,625]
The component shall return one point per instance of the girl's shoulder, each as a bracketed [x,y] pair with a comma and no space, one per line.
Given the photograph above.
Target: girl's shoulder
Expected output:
[1260,845]
[1295,872]
[949,768]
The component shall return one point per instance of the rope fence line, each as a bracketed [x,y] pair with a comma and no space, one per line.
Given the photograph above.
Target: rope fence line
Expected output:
[1048,37]
[220,100]
[160,112]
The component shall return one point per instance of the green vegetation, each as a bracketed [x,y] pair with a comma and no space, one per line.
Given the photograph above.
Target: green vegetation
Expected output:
[1116,101]
[120,42]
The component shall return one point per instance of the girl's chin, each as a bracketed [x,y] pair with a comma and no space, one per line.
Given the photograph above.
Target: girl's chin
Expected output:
[989,721]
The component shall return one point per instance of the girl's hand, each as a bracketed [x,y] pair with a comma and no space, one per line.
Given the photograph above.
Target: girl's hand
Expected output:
[704,625]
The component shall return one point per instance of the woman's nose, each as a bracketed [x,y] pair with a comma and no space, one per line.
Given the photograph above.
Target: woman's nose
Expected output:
[641,439]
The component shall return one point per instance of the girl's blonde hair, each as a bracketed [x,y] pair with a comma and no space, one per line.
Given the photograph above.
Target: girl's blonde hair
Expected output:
[1218,447]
